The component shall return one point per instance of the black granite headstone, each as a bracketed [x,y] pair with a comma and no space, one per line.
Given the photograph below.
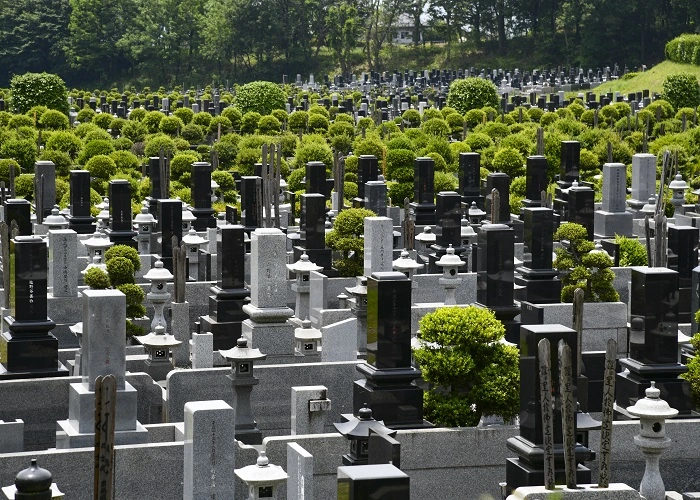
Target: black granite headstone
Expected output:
[683,242]
[201,196]
[367,170]
[121,230]
[170,221]
[449,217]
[470,179]
[251,202]
[570,161]
[536,180]
[80,219]
[388,386]
[424,191]
[19,210]
[313,221]
[581,207]
[495,261]
[28,350]
[315,177]
[538,281]
[500,182]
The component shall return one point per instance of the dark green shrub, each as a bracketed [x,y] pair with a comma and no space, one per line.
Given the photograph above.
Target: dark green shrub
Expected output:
[682,90]
[579,267]
[60,159]
[318,123]
[471,371]
[399,160]
[134,300]
[224,179]
[184,114]
[509,161]
[234,115]
[125,160]
[43,89]
[445,181]
[298,120]
[124,251]
[181,164]
[54,120]
[474,117]
[101,167]
[66,142]
[632,251]
[152,121]
[102,120]
[472,93]
[135,131]
[170,125]
[96,279]
[24,186]
[94,148]
[120,270]
[436,127]
[213,128]
[411,117]
[350,190]
[313,152]
[295,180]
[246,160]
[261,97]
[399,191]
[345,238]
[23,151]
[5,169]
[249,122]
[192,133]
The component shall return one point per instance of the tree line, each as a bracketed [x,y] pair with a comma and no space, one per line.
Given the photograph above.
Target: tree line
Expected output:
[175,42]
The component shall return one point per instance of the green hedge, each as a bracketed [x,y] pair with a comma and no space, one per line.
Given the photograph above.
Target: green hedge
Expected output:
[684,49]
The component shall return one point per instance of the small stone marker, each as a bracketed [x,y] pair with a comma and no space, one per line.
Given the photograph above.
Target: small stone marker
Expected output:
[607,407]
[568,413]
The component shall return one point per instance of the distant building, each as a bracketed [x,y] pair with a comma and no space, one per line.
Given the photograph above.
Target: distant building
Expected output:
[403,31]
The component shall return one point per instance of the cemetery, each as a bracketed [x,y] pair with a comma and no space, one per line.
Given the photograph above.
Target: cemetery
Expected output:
[420,284]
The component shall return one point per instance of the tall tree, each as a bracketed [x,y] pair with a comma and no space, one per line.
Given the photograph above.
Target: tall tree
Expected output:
[343,31]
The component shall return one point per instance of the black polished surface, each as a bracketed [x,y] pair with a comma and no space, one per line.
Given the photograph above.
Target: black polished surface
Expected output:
[315,177]
[251,201]
[570,161]
[423,180]
[367,170]
[654,300]
[313,221]
[120,205]
[580,207]
[19,210]
[80,193]
[495,265]
[536,179]
[539,230]
[683,242]
[154,175]
[28,278]
[389,320]
[500,182]
[170,224]
[230,257]
[469,174]
[448,230]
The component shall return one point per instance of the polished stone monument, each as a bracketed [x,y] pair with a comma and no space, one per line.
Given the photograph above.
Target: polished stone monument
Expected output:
[470,179]
[423,204]
[201,196]
[540,282]
[120,231]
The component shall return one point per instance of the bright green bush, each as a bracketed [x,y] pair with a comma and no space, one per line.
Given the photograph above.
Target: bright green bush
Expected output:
[472,93]
[445,181]
[125,161]
[23,151]
[134,130]
[67,142]
[44,89]
[101,166]
[5,169]
[682,90]
[59,158]
[632,251]
[298,120]
[94,148]
[436,127]
[226,126]
[54,120]
[684,49]
[120,270]
[313,152]
[184,114]
[411,117]
[474,117]
[345,238]
[134,300]
[155,143]
[181,164]
[152,121]
[138,114]
[249,123]
[509,161]
[170,125]
[399,191]
[124,251]
[85,115]
[96,279]
[471,371]
[260,97]
[234,115]
[318,123]
[478,141]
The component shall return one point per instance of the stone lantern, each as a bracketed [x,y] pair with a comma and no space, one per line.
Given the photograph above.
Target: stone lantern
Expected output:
[406,265]
[144,224]
[33,483]
[242,359]
[97,245]
[467,235]
[678,188]
[650,208]
[652,412]
[55,220]
[475,214]
[359,309]
[159,345]
[425,240]
[194,243]
[214,188]
[357,430]
[159,277]
[450,264]
[96,262]
[103,216]
[263,479]
[302,268]
[187,218]
[307,340]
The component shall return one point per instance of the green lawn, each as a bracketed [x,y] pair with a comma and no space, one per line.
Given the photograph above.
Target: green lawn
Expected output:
[652,79]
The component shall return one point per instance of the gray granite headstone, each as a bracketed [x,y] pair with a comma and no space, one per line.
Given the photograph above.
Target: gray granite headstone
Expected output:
[44,190]
[339,341]
[310,404]
[300,468]
[614,187]
[643,176]
[379,253]
[268,255]
[63,262]
[104,336]
[209,454]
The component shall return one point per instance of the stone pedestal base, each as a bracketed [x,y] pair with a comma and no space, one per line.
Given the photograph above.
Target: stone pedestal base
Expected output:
[274,339]
[29,356]
[123,238]
[81,225]
[424,214]
[392,396]
[225,333]
[615,491]
[539,287]
[180,326]
[68,437]
[608,224]
[528,468]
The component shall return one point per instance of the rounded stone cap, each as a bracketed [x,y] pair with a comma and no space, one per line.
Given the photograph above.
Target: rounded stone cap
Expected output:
[652,406]
[34,479]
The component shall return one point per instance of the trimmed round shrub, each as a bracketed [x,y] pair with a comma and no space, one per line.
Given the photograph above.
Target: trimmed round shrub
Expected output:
[202,118]
[24,186]
[23,151]
[5,164]
[350,190]
[399,191]
[399,164]
[134,300]
[509,161]
[67,142]
[192,133]
[436,127]
[137,114]
[478,141]
[472,93]
[445,181]
[134,131]
[399,142]
[120,270]
[249,123]
[224,179]
[440,146]
[38,89]
[158,141]
[682,90]
[268,124]
[234,115]
[318,123]
[101,166]
[59,158]
[184,114]
[152,121]
[124,251]
[122,144]
[94,148]
[365,123]
[260,97]
[430,113]
[96,279]
[116,125]
[474,117]
[370,145]
[17,121]
[319,110]
[181,164]
[246,160]
[549,118]
[297,120]
[295,180]
[170,125]
[313,152]
[102,120]
[85,115]
[411,117]
[213,128]
[54,120]
[125,160]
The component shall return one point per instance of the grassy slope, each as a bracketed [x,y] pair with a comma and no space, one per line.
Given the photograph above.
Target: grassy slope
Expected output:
[652,79]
